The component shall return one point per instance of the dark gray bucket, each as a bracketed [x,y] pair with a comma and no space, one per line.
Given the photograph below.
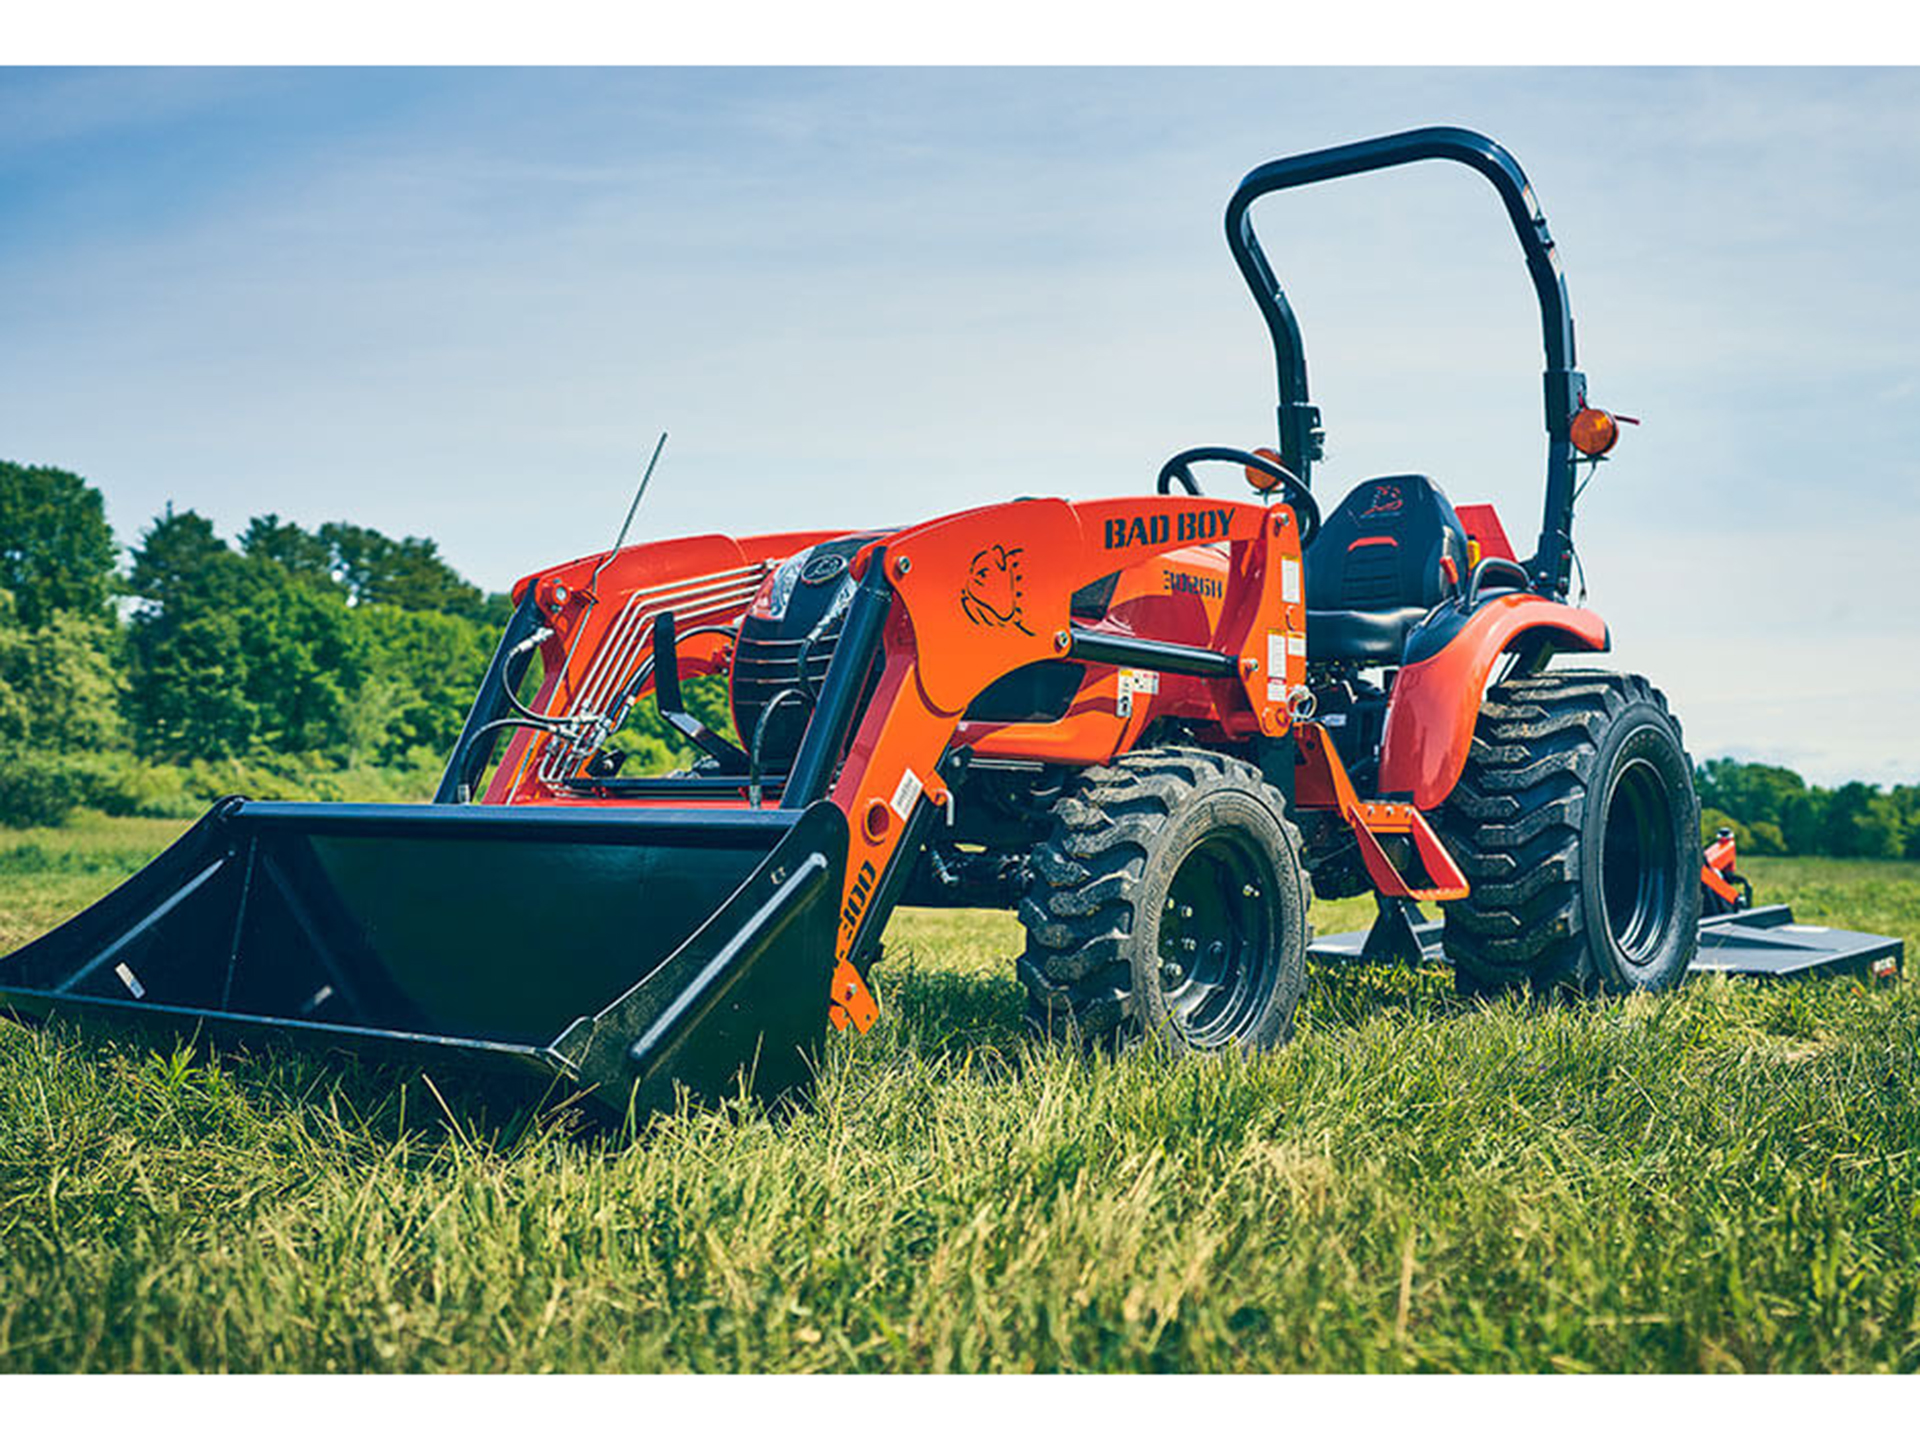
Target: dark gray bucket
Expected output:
[626,951]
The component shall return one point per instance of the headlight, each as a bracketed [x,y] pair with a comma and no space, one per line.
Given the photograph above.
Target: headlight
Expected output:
[784,581]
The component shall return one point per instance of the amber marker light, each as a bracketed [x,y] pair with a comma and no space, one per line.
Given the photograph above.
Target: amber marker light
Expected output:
[1594,432]
[1259,479]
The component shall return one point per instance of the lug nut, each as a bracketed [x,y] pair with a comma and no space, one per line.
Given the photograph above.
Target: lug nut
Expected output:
[1171,974]
[1186,912]
[1189,944]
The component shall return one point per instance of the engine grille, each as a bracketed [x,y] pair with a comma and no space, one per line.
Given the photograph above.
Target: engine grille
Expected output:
[767,660]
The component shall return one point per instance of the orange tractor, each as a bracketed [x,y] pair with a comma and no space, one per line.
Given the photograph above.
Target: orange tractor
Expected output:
[1154,725]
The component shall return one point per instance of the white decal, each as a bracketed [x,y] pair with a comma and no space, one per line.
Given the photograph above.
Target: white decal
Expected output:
[1132,683]
[905,793]
[1290,581]
[1276,655]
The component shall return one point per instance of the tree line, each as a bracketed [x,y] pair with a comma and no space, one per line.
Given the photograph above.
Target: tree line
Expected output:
[1772,811]
[332,663]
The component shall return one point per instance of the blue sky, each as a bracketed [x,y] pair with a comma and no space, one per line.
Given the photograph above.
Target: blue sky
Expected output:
[462,303]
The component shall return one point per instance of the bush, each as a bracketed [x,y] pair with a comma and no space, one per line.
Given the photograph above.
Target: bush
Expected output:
[124,785]
[35,791]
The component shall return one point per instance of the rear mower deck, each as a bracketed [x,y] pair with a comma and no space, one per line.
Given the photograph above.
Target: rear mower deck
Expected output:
[1764,943]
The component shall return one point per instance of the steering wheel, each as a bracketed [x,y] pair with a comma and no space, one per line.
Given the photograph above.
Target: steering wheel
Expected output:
[1297,495]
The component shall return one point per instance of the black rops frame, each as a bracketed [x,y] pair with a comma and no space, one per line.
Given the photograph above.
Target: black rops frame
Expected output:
[1300,432]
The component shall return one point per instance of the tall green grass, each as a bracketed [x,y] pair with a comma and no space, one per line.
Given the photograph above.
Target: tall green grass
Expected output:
[1722,1179]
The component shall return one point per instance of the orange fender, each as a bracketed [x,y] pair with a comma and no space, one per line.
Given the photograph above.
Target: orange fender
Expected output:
[1436,700]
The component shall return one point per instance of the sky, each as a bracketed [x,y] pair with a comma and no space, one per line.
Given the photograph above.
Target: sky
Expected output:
[463,303]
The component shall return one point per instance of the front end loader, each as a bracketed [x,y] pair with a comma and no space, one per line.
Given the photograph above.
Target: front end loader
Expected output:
[1152,725]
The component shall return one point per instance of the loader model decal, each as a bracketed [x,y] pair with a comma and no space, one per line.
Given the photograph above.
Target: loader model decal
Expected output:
[1207,587]
[991,595]
[857,897]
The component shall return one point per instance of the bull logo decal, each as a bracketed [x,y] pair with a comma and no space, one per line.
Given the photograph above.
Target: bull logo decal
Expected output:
[991,594]
[1387,500]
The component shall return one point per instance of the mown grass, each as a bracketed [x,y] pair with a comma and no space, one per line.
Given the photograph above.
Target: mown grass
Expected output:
[1723,1179]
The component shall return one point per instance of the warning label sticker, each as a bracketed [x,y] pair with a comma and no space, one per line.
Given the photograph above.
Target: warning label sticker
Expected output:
[1290,581]
[1276,655]
[905,793]
[1131,683]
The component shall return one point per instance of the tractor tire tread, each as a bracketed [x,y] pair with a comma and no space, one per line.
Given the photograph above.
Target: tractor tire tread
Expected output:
[1080,905]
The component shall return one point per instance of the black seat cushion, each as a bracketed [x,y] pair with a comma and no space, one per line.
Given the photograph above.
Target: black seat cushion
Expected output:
[1375,568]
[1378,636]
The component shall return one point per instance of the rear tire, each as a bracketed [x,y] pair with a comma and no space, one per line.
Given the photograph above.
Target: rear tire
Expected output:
[1577,825]
[1169,900]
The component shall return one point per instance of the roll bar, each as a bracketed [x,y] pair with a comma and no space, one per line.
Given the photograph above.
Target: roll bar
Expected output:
[1301,436]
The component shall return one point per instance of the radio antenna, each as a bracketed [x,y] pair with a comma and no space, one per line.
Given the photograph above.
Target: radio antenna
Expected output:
[593,581]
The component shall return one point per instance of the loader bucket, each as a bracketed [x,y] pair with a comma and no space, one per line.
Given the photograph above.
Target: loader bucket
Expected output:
[627,952]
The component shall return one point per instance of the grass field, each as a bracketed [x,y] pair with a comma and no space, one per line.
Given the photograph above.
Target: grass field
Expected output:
[1722,1179]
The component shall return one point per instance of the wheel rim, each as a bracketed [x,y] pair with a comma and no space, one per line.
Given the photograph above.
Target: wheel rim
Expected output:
[1636,863]
[1216,942]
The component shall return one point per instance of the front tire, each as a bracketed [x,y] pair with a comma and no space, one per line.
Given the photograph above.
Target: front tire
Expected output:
[1170,901]
[1577,826]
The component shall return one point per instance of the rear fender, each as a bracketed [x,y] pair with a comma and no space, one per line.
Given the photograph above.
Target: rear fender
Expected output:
[1437,694]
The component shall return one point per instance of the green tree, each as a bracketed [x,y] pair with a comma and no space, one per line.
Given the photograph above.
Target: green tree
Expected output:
[186,670]
[304,657]
[234,653]
[181,566]
[1861,821]
[1906,799]
[59,712]
[425,668]
[408,574]
[300,553]
[56,551]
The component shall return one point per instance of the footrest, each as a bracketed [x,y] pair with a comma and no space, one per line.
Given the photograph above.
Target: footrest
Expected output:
[1404,858]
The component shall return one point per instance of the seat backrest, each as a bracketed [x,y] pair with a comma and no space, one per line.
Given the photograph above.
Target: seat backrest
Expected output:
[1382,547]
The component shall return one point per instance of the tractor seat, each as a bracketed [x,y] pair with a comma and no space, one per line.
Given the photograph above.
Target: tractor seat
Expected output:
[1390,552]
